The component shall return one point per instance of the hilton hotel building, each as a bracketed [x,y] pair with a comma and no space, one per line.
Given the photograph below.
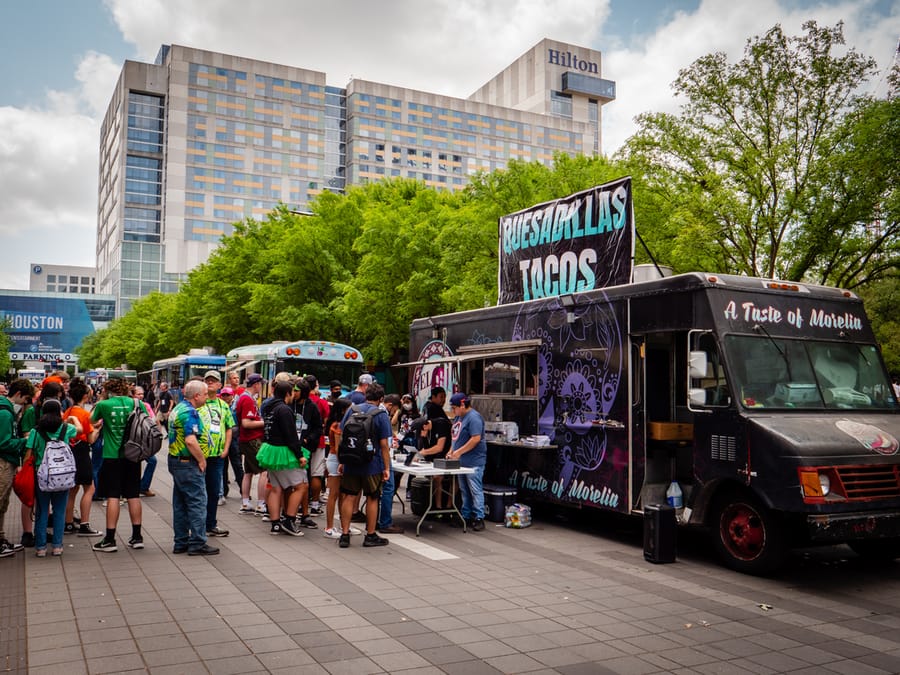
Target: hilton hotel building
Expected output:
[198,140]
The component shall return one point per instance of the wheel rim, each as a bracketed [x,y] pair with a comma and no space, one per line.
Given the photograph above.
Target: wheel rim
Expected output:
[742,531]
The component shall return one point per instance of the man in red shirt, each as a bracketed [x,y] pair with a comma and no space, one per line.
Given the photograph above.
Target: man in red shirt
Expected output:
[317,459]
[250,437]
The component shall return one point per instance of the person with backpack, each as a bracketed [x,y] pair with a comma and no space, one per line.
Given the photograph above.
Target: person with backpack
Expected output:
[119,477]
[365,462]
[84,474]
[48,443]
[11,450]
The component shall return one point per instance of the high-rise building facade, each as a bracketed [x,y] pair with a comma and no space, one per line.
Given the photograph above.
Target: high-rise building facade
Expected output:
[199,140]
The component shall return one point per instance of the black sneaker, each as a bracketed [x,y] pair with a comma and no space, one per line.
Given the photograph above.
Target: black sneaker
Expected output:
[358,517]
[206,549]
[315,511]
[291,527]
[69,529]
[477,525]
[106,546]
[455,521]
[28,539]
[6,549]
[217,532]
[374,540]
[306,521]
[85,530]
[344,541]
[136,542]
[276,528]
[178,550]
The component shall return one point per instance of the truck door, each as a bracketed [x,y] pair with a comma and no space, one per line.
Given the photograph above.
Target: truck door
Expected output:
[720,444]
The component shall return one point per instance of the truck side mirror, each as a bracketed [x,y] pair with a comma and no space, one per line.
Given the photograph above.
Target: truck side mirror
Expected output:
[697,396]
[697,364]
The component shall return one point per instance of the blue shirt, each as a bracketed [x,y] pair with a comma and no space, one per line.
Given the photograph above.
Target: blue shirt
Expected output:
[381,430]
[470,424]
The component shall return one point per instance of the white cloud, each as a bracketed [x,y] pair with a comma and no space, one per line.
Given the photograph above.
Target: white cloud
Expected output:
[644,72]
[446,46]
[48,170]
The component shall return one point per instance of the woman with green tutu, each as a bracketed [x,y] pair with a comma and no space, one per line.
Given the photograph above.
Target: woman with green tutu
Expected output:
[285,459]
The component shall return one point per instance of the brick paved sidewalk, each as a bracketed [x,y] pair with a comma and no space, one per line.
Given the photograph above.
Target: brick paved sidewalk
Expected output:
[549,599]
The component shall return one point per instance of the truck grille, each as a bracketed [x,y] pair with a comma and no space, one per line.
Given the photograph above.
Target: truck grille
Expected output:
[870,482]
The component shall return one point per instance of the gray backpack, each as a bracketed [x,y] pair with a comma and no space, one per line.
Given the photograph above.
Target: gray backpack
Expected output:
[57,470]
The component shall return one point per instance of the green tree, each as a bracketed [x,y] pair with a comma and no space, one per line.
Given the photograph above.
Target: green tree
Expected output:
[5,346]
[756,164]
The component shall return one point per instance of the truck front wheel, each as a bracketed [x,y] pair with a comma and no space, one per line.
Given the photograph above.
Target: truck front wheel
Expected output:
[748,536]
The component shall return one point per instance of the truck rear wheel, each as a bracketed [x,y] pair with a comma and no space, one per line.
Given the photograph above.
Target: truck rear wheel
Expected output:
[876,549]
[748,536]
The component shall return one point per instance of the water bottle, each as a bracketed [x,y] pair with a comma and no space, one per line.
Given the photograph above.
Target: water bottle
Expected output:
[674,496]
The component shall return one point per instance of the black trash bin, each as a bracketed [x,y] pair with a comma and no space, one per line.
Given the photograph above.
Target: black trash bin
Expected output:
[660,532]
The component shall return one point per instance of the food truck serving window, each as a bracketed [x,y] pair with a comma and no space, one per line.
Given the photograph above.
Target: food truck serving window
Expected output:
[502,371]
[779,373]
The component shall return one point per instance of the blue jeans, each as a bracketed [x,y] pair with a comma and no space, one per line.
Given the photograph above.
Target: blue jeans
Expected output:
[42,502]
[214,468]
[188,503]
[148,473]
[387,502]
[470,487]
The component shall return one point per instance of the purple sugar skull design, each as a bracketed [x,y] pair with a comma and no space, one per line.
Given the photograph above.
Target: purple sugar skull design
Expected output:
[578,389]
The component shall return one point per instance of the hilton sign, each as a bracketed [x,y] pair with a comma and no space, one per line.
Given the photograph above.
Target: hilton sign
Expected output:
[570,60]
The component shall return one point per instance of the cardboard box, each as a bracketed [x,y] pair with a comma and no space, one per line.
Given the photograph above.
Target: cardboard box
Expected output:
[446,464]
[670,431]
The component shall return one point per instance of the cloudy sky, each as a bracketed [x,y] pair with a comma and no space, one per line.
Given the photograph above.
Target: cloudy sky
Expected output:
[62,60]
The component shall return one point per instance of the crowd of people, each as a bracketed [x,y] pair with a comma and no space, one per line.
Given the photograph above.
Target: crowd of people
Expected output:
[288,442]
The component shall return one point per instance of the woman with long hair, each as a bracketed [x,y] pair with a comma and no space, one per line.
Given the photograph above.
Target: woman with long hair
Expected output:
[50,426]
[81,395]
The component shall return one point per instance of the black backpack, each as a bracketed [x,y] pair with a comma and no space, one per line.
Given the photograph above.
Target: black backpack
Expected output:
[355,448]
[142,438]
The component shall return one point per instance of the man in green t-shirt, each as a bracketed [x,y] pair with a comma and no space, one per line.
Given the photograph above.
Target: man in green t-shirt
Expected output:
[217,422]
[119,477]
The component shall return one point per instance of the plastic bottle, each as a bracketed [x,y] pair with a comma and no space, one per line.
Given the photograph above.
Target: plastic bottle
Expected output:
[674,496]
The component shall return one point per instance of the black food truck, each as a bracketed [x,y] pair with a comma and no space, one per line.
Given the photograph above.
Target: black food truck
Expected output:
[764,405]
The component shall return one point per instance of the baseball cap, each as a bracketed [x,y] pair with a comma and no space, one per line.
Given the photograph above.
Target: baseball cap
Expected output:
[253,379]
[214,374]
[418,423]
[226,391]
[458,399]
[365,378]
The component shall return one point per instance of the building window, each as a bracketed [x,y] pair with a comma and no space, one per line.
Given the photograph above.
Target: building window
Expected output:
[560,104]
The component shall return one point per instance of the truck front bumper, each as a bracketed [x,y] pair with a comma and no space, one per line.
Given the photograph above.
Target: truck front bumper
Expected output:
[840,527]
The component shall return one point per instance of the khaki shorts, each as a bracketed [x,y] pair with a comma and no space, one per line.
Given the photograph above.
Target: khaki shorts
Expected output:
[317,463]
[288,478]
[370,486]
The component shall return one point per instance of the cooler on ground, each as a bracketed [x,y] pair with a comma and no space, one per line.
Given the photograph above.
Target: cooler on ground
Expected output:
[496,499]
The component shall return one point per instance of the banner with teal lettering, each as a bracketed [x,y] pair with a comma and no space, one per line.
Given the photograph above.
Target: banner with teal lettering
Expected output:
[573,244]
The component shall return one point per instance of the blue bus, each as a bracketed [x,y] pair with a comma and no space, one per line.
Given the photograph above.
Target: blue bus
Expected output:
[179,369]
[326,360]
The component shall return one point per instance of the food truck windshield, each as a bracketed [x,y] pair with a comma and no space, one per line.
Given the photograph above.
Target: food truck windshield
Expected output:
[774,372]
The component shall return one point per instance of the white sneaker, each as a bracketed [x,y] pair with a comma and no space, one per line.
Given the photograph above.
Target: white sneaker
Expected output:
[332,533]
[221,501]
[355,530]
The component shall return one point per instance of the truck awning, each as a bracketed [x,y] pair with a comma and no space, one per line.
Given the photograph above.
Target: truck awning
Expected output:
[477,352]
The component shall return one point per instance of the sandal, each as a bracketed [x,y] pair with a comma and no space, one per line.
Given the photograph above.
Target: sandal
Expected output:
[57,551]
[41,553]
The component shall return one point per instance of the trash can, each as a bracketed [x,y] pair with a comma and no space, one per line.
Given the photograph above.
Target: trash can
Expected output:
[659,533]
[496,499]
[418,492]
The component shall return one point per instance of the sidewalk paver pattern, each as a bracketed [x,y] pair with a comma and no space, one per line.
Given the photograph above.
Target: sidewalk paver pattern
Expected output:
[548,599]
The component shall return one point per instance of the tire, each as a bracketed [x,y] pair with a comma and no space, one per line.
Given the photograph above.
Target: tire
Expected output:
[748,537]
[876,549]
